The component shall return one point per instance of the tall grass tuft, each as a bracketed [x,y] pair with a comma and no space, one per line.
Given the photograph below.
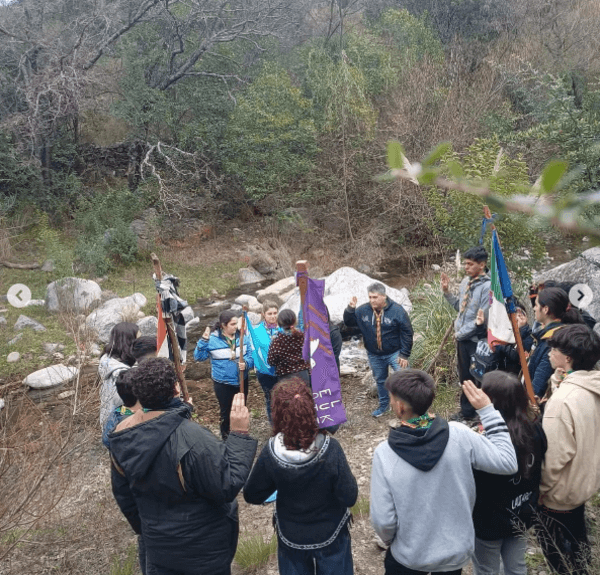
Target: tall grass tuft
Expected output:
[361,508]
[127,566]
[254,552]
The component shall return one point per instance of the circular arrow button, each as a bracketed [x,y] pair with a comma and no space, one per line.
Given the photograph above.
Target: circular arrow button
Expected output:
[581,296]
[19,295]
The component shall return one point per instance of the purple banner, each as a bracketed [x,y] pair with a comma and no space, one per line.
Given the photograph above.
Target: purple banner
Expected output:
[324,376]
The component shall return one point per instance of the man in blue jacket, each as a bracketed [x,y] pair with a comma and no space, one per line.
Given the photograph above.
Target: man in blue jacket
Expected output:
[387,334]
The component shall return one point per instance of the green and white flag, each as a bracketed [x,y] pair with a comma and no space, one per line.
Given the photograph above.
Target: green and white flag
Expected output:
[499,327]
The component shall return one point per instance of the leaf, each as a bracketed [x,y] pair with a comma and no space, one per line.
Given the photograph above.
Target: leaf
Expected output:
[395,153]
[552,174]
[438,152]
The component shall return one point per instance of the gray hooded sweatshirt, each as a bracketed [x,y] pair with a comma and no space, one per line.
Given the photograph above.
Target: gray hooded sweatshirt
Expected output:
[464,325]
[423,490]
[108,370]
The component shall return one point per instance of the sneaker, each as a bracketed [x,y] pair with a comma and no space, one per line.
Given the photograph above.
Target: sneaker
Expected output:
[380,411]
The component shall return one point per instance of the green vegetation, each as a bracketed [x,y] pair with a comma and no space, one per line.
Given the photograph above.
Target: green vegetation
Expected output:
[125,565]
[361,508]
[254,551]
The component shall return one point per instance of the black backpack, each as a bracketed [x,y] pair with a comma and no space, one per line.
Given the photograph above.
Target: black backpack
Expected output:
[482,361]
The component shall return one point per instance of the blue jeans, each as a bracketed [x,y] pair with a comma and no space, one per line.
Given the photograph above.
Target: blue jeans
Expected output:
[486,559]
[335,559]
[267,382]
[380,365]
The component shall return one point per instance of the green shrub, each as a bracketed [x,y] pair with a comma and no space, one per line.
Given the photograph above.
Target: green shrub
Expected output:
[254,551]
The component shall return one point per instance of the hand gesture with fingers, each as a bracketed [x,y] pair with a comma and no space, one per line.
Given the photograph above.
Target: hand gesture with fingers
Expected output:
[353,302]
[239,417]
[480,319]
[206,333]
[477,398]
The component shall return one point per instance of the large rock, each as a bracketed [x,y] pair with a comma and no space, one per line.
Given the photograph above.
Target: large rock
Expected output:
[72,294]
[13,357]
[112,312]
[250,276]
[250,302]
[584,269]
[148,326]
[51,376]
[341,285]
[275,291]
[24,322]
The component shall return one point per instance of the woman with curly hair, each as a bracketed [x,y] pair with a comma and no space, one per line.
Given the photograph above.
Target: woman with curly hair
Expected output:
[314,483]
[175,482]
[285,352]
[116,358]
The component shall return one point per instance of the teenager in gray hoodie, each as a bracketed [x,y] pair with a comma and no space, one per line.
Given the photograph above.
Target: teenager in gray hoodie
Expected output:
[422,485]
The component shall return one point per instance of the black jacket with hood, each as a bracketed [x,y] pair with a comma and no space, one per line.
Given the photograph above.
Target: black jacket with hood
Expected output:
[176,483]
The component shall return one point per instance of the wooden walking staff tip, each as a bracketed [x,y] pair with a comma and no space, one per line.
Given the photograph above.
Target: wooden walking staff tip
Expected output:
[302,283]
[243,329]
[517,334]
[171,334]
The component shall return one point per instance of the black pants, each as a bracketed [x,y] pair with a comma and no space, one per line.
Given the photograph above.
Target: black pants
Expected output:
[562,535]
[392,567]
[225,393]
[464,351]
[303,375]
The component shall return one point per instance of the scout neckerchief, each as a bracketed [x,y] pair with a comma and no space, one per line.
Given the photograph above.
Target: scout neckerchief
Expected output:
[422,422]
[231,345]
[467,295]
[378,317]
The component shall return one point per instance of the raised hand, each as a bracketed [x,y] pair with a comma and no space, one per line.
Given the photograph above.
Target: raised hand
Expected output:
[206,333]
[239,417]
[477,398]
[353,302]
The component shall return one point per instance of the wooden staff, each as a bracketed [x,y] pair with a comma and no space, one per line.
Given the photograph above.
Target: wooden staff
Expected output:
[513,321]
[171,333]
[242,331]
[302,283]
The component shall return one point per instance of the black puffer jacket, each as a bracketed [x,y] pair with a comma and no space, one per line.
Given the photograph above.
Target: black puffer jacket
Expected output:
[176,483]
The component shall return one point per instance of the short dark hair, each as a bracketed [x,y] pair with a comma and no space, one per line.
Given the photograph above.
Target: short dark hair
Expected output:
[414,386]
[477,254]
[154,382]
[124,386]
[286,318]
[578,342]
[143,346]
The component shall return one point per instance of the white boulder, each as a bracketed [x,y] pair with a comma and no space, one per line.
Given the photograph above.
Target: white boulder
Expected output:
[112,312]
[72,294]
[13,357]
[274,291]
[341,286]
[51,376]
[26,322]
[250,276]
[148,326]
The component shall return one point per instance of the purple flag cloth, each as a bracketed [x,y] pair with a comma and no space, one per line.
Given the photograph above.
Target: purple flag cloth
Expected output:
[324,375]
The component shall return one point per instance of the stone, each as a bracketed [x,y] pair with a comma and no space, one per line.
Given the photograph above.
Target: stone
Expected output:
[141,314]
[112,312]
[36,303]
[72,294]
[66,394]
[236,307]
[15,339]
[148,326]
[26,322]
[363,268]
[584,269]
[347,370]
[95,350]
[48,266]
[275,291]
[1,403]
[13,357]
[52,347]
[254,318]
[249,276]
[436,267]
[57,356]
[341,285]
[51,376]
[3,320]
[250,302]
[192,324]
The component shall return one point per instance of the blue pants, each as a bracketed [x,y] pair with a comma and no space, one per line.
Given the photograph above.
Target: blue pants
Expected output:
[267,382]
[335,559]
[486,560]
[380,365]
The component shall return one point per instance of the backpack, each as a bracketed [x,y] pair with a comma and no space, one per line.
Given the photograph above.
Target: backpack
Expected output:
[483,360]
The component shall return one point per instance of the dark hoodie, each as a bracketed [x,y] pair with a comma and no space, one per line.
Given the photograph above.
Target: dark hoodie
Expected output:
[539,365]
[176,483]
[314,490]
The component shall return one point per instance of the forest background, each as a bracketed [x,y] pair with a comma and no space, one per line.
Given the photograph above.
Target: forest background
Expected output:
[281,111]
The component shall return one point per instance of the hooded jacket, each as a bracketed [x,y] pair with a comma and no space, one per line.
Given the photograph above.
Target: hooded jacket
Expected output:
[224,367]
[396,329]
[108,370]
[539,365]
[315,488]
[423,491]
[465,328]
[571,470]
[176,483]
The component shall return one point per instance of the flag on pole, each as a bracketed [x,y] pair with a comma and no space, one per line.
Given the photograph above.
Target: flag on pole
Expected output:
[162,341]
[499,326]
[171,305]
[261,340]
[324,375]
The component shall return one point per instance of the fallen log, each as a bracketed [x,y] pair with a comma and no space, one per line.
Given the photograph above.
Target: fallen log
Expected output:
[19,266]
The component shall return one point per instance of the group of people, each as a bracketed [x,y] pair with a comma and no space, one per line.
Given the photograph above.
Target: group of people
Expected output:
[442,494]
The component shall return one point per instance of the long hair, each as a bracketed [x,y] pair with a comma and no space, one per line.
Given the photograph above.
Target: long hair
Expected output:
[558,304]
[293,413]
[120,342]
[510,398]
[224,318]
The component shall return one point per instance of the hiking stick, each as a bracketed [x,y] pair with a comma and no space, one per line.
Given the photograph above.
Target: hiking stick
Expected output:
[242,331]
[302,283]
[171,333]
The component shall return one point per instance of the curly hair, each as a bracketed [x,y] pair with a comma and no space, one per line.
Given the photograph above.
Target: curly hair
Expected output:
[153,382]
[293,412]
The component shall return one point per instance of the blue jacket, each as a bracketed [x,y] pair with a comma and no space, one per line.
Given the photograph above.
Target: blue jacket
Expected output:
[396,329]
[224,369]
[539,366]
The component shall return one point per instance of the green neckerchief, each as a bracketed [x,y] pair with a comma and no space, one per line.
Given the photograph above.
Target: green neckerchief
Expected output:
[422,422]
[125,411]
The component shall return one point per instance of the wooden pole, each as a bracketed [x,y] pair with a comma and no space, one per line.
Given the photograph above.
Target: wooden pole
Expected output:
[513,321]
[171,334]
[302,282]
[242,331]
[441,348]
